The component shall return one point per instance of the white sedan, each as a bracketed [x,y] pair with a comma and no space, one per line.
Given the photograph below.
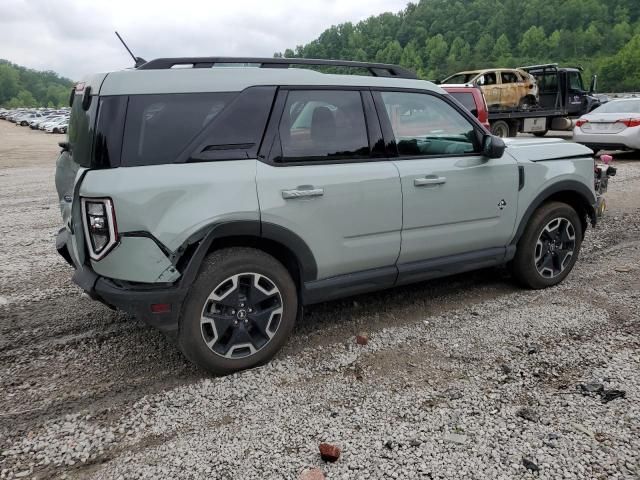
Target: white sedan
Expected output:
[612,126]
[57,126]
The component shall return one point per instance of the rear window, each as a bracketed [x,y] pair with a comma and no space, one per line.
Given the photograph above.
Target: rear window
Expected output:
[467,101]
[159,127]
[80,131]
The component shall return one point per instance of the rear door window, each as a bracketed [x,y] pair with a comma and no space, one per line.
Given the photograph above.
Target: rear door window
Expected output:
[323,125]
[159,127]
[487,79]
[509,77]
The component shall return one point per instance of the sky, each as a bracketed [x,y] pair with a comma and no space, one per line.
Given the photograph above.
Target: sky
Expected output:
[75,37]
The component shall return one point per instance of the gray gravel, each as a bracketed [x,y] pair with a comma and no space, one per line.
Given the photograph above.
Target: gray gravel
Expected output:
[468,377]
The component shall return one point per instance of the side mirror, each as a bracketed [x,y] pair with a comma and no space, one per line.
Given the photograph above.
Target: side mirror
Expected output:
[594,84]
[492,147]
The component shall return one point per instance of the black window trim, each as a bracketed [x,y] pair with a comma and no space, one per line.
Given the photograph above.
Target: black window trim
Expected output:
[390,138]
[270,148]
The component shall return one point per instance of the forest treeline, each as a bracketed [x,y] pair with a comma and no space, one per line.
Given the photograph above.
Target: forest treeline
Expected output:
[440,37]
[23,87]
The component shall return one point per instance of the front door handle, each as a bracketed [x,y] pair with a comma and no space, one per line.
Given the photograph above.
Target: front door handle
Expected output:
[302,192]
[426,181]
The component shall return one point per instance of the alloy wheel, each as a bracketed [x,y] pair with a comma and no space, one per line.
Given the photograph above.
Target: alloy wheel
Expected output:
[241,315]
[555,247]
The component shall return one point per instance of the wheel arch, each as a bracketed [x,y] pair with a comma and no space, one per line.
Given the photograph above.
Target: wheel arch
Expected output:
[573,193]
[279,242]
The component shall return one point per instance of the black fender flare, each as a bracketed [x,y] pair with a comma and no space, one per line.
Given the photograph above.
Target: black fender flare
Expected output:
[574,187]
[244,228]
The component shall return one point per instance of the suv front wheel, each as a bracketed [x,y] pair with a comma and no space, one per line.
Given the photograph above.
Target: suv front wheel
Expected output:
[549,246]
[239,312]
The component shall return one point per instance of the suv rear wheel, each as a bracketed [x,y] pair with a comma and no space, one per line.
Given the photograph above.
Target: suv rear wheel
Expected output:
[239,311]
[549,246]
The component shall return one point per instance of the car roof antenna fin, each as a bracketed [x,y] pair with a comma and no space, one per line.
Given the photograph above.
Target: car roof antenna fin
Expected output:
[138,60]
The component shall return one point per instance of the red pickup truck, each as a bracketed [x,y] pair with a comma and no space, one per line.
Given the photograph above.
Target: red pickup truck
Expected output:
[472,99]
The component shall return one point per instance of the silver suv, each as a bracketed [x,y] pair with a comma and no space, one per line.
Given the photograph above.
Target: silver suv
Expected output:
[215,201]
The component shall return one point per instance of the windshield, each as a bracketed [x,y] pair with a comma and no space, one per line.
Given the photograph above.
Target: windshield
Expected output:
[459,78]
[619,106]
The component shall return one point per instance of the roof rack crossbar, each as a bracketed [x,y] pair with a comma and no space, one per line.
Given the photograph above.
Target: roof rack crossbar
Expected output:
[543,66]
[375,69]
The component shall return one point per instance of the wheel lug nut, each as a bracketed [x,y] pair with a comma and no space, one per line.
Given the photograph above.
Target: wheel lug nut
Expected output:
[233,312]
[251,310]
[241,305]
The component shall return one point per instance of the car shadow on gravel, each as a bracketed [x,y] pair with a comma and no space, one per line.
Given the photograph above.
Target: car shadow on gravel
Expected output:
[340,320]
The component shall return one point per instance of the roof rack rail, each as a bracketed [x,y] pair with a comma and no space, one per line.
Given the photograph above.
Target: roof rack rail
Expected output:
[538,67]
[376,69]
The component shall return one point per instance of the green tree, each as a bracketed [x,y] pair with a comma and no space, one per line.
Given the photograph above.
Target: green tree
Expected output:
[23,99]
[502,50]
[411,57]
[9,83]
[436,49]
[392,53]
[484,49]
[533,41]
[459,54]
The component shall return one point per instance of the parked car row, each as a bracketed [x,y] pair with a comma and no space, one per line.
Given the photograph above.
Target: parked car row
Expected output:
[48,120]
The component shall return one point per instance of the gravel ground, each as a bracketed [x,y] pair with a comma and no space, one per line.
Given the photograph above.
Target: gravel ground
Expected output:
[467,377]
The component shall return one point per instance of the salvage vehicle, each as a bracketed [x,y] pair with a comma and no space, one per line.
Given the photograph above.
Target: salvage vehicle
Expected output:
[560,97]
[215,202]
[503,88]
[612,126]
[472,99]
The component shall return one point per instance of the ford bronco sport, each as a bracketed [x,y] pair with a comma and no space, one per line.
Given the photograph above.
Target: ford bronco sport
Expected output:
[215,201]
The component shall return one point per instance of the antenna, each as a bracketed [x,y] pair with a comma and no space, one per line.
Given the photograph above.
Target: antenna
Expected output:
[138,60]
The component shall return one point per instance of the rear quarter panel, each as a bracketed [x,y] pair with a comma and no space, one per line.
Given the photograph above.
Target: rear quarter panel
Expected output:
[172,202]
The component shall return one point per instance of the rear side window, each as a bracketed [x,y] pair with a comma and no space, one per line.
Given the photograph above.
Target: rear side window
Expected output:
[81,130]
[509,77]
[467,101]
[547,82]
[487,79]
[159,127]
[323,125]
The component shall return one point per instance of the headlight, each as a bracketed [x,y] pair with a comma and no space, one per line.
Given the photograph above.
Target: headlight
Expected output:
[100,229]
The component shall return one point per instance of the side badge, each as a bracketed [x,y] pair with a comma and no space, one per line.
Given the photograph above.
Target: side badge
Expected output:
[502,204]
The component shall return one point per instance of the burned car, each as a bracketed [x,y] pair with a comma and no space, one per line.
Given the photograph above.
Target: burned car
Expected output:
[503,88]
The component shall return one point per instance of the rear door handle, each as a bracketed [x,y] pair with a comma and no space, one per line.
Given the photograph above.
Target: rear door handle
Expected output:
[426,181]
[302,193]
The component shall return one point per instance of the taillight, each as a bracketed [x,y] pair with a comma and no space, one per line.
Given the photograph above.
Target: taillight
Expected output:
[581,122]
[630,122]
[99,220]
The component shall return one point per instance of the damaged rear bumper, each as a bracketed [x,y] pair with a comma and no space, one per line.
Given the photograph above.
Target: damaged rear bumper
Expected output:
[157,305]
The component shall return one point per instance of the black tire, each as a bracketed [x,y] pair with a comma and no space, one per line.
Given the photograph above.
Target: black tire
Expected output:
[527,102]
[501,129]
[231,270]
[530,254]
[540,134]
[55,130]
[513,128]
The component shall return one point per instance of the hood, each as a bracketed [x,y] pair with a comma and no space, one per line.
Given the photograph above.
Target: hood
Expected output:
[540,149]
